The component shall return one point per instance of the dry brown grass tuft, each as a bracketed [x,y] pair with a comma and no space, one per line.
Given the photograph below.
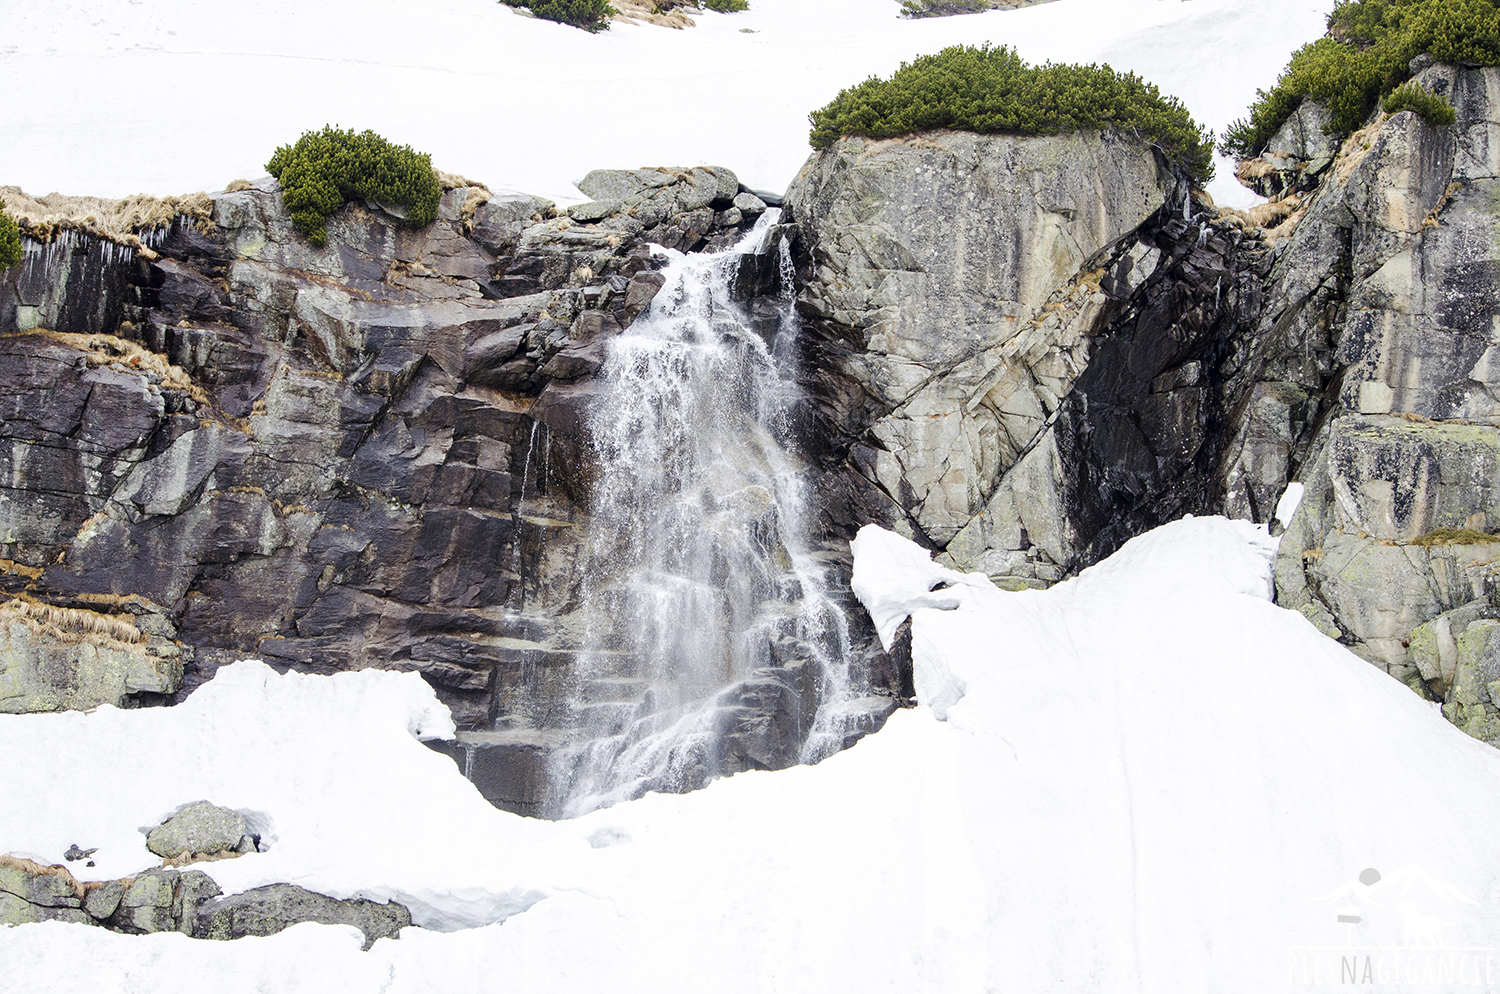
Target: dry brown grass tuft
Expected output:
[105,350]
[1355,148]
[72,624]
[35,869]
[119,221]
[1273,221]
[1285,228]
[477,198]
[20,569]
[649,12]
[1253,169]
[1453,536]
[453,181]
[200,857]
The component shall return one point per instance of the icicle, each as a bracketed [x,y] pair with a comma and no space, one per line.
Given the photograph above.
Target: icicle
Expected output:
[520,509]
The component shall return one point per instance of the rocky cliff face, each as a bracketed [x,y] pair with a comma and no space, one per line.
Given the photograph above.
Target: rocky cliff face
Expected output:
[1020,351]
[1018,344]
[373,454]
[298,452]
[1024,351]
[1405,228]
[945,324]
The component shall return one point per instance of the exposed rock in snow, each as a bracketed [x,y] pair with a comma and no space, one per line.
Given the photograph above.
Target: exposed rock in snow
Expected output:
[200,828]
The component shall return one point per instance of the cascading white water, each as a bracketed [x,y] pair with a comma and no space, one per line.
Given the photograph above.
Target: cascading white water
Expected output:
[700,573]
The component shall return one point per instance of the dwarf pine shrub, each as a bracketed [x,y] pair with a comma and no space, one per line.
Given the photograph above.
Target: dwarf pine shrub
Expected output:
[1429,106]
[725,6]
[590,15]
[10,239]
[326,169]
[994,91]
[1365,56]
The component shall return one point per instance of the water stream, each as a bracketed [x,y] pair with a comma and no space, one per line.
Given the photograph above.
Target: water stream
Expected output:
[708,605]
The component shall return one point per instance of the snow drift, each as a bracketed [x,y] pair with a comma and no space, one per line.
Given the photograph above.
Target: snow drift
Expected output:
[1148,778]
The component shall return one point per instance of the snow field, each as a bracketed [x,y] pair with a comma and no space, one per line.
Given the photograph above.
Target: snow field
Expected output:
[1149,778]
[116,97]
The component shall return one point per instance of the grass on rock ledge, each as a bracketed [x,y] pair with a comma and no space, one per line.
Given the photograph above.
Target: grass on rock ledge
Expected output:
[994,91]
[1453,536]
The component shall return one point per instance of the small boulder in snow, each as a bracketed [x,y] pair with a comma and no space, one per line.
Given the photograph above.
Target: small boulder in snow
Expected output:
[199,828]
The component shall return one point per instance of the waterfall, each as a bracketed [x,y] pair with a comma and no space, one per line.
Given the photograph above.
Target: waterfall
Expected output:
[706,603]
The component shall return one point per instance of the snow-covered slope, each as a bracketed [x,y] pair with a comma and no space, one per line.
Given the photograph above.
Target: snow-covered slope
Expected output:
[1148,778]
[114,97]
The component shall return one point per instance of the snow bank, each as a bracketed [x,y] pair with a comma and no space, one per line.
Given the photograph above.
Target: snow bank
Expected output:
[1152,780]
[328,770]
[115,97]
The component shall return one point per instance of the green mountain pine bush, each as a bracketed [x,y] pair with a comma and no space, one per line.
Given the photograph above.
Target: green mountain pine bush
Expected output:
[1429,106]
[590,15]
[993,90]
[10,239]
[1365,56]
[326,169]
[725,6]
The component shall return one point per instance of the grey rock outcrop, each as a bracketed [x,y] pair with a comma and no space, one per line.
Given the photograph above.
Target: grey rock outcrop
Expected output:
[149,904]
[55,658]
[43,887]
[949,303]
[190,902]
[691,210]
[1411,445]
[200,829]
[1015,345]
[268,910]
[1296,157]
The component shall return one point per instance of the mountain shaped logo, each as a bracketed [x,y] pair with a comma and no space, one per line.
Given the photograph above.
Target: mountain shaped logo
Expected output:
[1407,907]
